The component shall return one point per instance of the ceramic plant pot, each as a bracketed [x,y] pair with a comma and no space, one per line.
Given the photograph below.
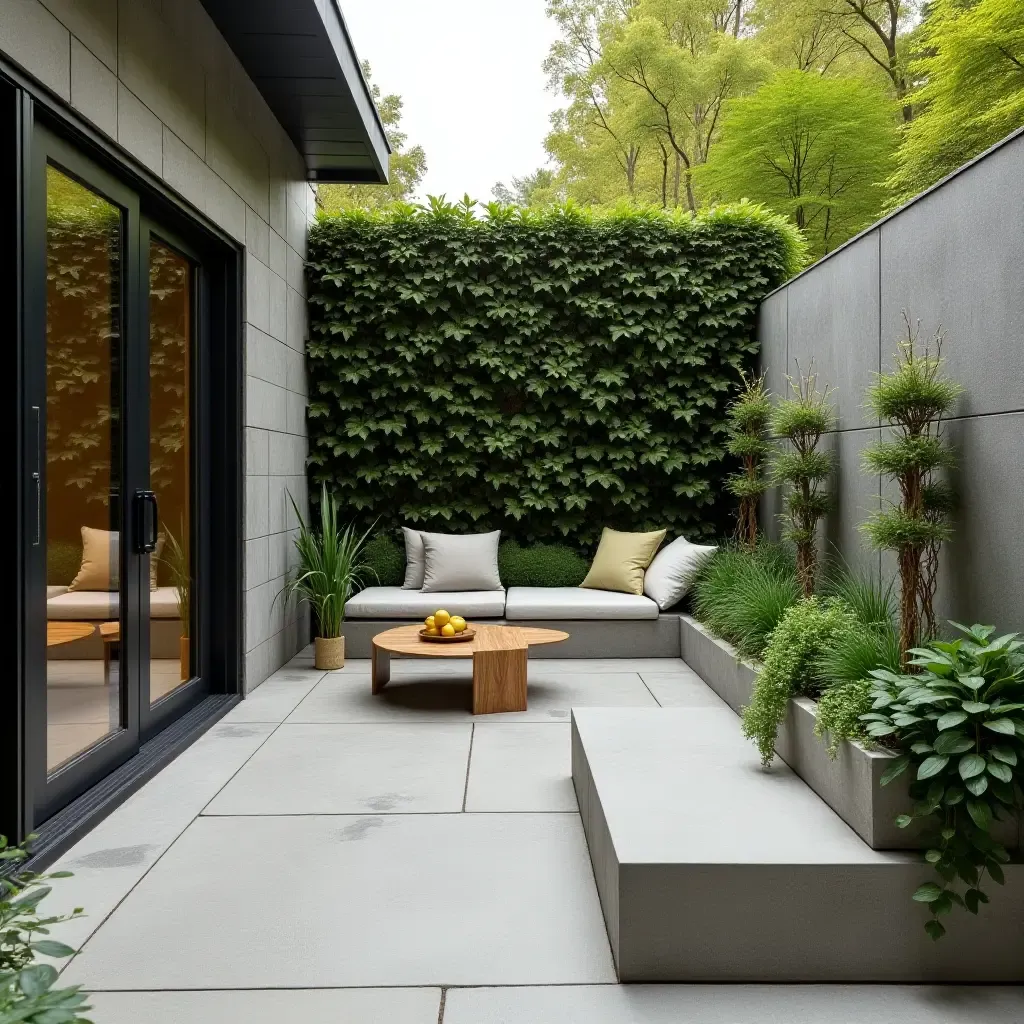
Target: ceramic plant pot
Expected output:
[329,653]
[185,658]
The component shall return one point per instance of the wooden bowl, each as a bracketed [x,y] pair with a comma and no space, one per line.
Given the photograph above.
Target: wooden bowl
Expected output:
[467,634]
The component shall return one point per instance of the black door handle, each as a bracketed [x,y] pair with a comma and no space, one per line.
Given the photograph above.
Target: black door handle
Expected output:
[147,522]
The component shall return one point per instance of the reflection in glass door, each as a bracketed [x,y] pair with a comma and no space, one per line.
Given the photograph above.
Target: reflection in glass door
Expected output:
[170,467]
[83,458]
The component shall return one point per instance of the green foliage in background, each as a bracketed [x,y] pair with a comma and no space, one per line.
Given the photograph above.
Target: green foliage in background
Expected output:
[384,558]
[790,665]
[541,565]
[546,373]
[812,147]
[958,719]
[972,94]
[742,595]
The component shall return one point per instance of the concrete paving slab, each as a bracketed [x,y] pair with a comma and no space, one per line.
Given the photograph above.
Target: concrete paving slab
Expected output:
[446,695]
[352,769]
[736,1004]
[112,858]
[275,698]
[520,767]
[681,688]
[330,1006]
[382,900]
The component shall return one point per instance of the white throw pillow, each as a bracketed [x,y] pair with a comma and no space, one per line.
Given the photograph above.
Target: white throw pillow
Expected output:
[456,562]
[675,567]
[413,559]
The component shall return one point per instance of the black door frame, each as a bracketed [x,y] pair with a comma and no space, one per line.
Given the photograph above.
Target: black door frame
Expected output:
[47,794]
[23,103]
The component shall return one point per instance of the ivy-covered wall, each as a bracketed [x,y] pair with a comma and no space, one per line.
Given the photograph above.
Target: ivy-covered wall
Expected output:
[549,374]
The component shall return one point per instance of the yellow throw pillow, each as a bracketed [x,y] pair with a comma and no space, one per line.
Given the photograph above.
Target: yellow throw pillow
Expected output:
[621,560]
[101,561]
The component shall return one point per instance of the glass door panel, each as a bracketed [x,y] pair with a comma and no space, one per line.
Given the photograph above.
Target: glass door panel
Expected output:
[171,307]
[81,516]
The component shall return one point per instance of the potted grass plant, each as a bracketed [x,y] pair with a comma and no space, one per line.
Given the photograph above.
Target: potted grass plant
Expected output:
[179,566]
[330,568]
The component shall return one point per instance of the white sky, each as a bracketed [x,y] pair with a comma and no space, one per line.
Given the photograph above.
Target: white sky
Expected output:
[469,74]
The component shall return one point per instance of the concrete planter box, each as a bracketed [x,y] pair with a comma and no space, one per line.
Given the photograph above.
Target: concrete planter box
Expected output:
[850,784]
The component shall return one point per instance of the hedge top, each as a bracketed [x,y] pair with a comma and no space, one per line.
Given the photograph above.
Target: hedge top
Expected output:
[548,373]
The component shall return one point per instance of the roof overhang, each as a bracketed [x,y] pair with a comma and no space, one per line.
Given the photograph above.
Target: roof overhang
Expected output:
[300,56]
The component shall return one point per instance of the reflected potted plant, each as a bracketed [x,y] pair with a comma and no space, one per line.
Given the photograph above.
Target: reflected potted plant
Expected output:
[329,571]
[180,569]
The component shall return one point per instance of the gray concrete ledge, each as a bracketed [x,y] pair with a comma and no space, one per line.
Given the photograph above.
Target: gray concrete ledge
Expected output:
[710,869]
[850,784]
[590,638]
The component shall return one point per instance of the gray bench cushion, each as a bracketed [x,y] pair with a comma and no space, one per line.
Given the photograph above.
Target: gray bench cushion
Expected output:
[398,603]
[576,603]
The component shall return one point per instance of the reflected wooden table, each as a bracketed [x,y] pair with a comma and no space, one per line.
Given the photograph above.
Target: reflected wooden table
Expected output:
[59,632]
[499,656]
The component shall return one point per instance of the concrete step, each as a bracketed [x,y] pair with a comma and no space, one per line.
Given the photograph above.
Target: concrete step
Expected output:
[712,869]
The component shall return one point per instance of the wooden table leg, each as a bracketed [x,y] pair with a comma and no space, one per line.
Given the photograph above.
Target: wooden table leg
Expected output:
[499,681]
[380,669]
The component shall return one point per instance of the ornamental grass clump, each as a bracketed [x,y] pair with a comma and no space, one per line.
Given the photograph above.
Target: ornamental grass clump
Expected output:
[802,467]
[790,665]
[331,566]
[959,720]
[749,416]
[913,399]
[741,596]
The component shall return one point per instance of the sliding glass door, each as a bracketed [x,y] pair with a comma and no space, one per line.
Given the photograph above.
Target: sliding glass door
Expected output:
[113,329]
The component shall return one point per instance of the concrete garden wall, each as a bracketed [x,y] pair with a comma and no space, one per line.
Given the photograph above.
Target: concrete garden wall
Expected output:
[955,257]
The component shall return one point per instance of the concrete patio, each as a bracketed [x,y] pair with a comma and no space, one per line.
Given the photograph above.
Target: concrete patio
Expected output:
[325,855]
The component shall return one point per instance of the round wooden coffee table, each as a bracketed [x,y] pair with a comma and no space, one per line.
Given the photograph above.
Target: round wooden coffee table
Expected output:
[499,656]
[60,632]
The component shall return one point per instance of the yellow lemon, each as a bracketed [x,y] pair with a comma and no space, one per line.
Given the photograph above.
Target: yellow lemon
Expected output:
[448,629]
[458,622]
[441,617]
[433,631]
[429,621]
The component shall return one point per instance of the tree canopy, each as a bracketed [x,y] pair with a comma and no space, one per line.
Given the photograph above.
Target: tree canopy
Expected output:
[829,111]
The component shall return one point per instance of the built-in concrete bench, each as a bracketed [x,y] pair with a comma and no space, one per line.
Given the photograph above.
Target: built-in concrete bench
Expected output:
[600,623]
[710,869]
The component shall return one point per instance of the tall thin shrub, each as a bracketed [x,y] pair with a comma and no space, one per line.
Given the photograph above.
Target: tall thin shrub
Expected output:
[913,399]
[802,467]
[749,416]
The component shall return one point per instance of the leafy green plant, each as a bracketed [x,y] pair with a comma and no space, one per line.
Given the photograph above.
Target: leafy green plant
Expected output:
[179,566]
[749,416]
[802,467]
[385,561]
[330,565]
[838,713]
[958,719]
[26,988]
[742,595]
[547,373]
[540,565]
[912,399]
[790,665]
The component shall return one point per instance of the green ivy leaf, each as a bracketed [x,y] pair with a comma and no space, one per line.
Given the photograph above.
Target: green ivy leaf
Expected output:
[932,766]
[971,765]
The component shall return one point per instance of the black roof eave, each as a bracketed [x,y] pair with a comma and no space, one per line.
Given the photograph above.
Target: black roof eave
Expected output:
[300,56]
